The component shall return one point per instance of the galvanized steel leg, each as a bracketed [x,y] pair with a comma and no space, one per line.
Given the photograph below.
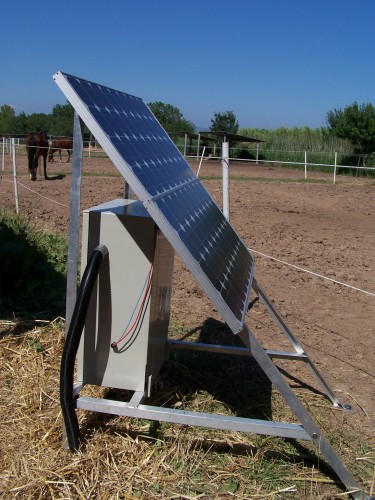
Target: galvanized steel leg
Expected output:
[75,209]
[274,375]
[297,346]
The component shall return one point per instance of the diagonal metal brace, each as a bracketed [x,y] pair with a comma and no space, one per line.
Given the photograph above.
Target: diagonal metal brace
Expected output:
[300,353]
[322,444]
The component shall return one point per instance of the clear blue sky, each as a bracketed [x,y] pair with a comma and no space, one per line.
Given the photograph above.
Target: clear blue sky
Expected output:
[272,62]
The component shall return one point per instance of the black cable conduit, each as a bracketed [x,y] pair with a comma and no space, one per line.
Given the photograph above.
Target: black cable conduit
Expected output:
[72,340]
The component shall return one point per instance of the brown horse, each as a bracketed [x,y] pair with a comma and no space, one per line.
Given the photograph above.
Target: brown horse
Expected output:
[62,143]
[36,145]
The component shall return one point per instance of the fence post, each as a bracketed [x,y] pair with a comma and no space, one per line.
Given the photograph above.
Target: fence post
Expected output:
[15,175]
[334,169]
[3,154]
[305,164]
[225,165]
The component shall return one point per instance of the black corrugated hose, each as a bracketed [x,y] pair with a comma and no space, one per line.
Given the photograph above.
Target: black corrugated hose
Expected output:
[72,340]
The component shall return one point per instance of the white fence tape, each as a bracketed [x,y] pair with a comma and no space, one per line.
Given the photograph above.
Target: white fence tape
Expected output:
[311,272]
[252,250]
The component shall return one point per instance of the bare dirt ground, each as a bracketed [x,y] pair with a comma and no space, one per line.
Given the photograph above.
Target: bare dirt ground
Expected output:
[317,226]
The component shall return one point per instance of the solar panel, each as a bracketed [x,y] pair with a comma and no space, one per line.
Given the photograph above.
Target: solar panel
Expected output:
[167,186]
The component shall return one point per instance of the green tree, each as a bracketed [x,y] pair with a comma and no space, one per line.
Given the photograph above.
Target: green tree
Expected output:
[170,117]
[61,122]
[7,119]
[37,121]
[224,122]
[356,123]
[21,127]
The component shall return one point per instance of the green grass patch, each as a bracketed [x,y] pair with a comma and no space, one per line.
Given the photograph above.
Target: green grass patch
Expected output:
[33,270]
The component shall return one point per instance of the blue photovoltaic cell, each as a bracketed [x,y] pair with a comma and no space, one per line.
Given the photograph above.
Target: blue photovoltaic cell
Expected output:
[137,135]
[211,241]
[170,190]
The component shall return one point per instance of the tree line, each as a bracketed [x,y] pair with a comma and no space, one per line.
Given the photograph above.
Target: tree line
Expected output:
[354,125]
[59,122]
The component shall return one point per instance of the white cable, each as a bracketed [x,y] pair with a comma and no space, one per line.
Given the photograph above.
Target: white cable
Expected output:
[45,197]
[251,250]
[310,272]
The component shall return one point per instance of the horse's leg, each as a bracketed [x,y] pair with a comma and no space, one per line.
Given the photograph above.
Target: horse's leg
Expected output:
[60,155]
[68,160]
[35,163]
[45,164]
[29,161]
[31,167]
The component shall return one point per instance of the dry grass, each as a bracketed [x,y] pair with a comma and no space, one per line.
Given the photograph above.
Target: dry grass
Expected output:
[124,458]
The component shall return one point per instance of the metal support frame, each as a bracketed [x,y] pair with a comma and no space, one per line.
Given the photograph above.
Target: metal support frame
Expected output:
[306,430]
[309,425]
[299,353]
[74,217]
[209,420]
[128,192]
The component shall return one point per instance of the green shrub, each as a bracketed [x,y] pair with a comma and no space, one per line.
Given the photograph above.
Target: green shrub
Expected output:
[32,270]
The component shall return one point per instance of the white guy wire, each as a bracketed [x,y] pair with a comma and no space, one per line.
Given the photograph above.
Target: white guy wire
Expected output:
[311,272]
[38,194]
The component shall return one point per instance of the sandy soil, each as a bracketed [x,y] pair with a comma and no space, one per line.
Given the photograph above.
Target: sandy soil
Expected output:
[318,226]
